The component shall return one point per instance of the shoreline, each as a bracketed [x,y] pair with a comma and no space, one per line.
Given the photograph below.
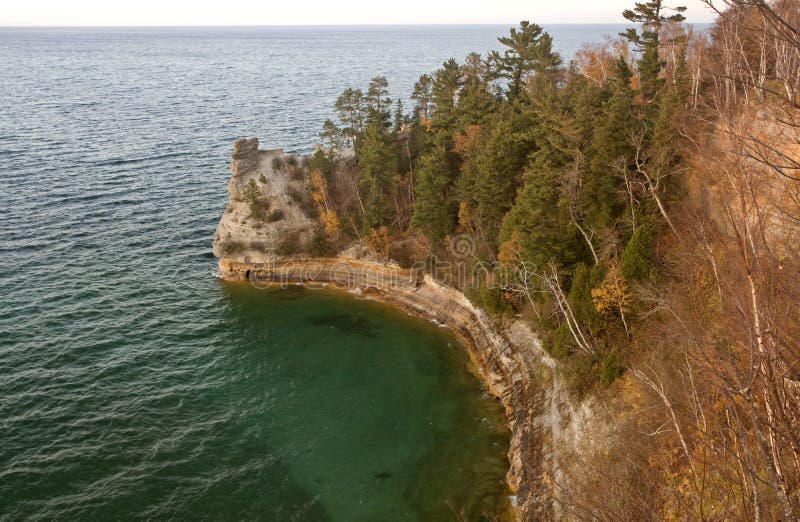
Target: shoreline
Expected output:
[504,367]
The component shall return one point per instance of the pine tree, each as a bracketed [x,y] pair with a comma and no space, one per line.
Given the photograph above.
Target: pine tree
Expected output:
[536,221]
[554,131]
[585,100]
[444,92]
[434,206]
[422,95]
[378,104]
[610,151]
[637,264]
[673,100]
[475,100]
[492,168]
[350,107]
[651,15]
[529,50]
[399,116]
[331,138]
[377,168]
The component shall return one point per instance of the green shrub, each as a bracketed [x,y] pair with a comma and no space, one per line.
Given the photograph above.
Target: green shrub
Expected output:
[637,257]
[320,246]
[320,161]
[251,192]
[490,299]
[275,215]
[262,179]
[277,164]
[289,244]
[562,343]
[580,295]
[610,369]
[252,195]
[302,200]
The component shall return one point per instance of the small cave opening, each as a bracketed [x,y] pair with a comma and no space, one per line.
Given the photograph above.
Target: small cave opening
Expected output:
[247,275]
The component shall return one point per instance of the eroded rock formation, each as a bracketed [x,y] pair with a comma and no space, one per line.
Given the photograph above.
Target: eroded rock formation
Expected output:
[257,231]
[244,158]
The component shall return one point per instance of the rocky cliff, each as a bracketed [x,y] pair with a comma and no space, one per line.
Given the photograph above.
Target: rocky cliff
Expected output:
[264,209]
[507,357]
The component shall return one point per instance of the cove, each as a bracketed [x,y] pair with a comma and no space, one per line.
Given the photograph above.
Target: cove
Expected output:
[371,414]
[258,404]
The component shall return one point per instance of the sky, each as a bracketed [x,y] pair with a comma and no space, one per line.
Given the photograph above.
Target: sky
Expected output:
[318,12]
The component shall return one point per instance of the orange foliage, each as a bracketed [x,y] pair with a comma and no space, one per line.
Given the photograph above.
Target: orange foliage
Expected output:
[612,294]
[467,140]
[595,61]
[330,221]
[379,240]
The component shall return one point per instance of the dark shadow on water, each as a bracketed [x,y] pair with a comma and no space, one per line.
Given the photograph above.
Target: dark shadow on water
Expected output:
[290,292]
[347,324]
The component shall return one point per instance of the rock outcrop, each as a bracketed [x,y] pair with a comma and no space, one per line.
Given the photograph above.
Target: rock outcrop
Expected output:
[244,158]
[245,237]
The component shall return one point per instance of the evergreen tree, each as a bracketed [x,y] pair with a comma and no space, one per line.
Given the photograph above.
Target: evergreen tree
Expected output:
[377,168]
[553,130]
[444,92]
[650,15]
[399,116]
[434,206]
[331,139]
[350,107]
[610,151]
[536,221]
[378,104]
[492,168]
[675,93]
[529,50]
[585,100]
[637,256]
[475,101]
[422,95]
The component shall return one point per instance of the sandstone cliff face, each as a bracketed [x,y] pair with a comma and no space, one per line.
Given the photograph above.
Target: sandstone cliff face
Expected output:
[240,235]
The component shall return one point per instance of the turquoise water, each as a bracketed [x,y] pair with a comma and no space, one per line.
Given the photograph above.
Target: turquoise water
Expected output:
[288,405]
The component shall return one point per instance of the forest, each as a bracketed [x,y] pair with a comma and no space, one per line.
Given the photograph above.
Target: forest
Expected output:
[637,203]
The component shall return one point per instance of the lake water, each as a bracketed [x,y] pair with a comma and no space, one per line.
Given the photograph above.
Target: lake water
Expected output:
[133,383]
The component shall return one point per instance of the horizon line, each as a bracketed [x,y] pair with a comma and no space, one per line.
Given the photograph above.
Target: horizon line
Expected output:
[201,26]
